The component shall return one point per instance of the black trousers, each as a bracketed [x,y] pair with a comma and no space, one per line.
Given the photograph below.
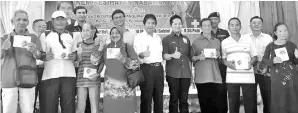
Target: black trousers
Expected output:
[152,88]
[52,89]
[224,96]
[178,88]
[249,94]
[209,95]
[265,88]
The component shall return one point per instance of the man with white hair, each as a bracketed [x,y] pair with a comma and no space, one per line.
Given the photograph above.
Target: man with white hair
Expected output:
[59,77]
[18,59]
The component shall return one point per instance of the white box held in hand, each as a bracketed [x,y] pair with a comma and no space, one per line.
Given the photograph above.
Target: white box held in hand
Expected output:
[19,40]
[88,72]
[209,52]
[112,53]
[282,53]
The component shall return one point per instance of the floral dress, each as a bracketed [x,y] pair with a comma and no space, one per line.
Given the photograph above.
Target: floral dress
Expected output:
[284,79]
[118,96]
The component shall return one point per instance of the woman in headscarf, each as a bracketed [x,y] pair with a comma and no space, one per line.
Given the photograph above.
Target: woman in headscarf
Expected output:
[118,57]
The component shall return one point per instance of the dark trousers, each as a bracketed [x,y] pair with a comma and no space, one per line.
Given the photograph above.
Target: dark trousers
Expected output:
[39,74]
[265,88]
[249,94]
[209,95]
[224,96]
[152,88]
[178,88]
[52,89]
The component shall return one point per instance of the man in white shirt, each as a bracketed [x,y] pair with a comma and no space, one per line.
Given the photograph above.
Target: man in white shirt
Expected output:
[260,40]
[59,77]
[148,47]
[239,54]
[118,18]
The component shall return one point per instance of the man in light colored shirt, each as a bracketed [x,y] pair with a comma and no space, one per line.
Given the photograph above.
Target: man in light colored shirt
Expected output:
[59,77]
[260,40]
[118,18]
[239,55]
[148,47]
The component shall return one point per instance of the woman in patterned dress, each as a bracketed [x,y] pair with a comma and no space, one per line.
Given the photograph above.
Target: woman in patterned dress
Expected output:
[118,96]
[88,82]
[284,78]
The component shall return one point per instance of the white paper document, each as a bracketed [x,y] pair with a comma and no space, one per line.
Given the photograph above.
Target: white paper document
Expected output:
[112,53]
[19,40]
[210,52]
[88,72]
[282,53]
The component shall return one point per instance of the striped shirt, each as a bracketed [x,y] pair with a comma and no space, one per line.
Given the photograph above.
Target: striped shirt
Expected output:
[232,50]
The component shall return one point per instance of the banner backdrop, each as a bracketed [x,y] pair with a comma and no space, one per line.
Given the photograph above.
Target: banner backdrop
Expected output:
[99,13]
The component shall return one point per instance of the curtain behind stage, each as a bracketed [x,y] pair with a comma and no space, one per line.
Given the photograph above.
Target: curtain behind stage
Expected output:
[276,11]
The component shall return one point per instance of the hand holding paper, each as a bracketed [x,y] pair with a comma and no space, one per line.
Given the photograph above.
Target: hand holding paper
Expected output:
[282,53]
[210,52]
[21,41]
[90,73]
[202,56]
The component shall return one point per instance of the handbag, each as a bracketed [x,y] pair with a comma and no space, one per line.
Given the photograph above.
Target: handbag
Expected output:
[135,75]
[27,75]
[262,68]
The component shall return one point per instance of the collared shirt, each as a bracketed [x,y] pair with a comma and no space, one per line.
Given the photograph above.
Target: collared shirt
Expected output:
[243,48]
[177,68]
[128,36]
[58,68]
[260,43]
[206,70]
[143,42]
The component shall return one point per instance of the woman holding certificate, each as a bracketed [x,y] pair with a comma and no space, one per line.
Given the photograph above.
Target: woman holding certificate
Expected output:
[118,57]
[204,54]
[88,80]
[281,57]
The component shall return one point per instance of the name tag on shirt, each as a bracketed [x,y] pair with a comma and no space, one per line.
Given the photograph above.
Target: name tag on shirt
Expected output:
[112,53]
[88,72]
[19,41]
[282,53]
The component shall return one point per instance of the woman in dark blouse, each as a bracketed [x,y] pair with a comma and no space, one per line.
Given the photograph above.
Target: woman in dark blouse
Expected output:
[284,79]
[118,96]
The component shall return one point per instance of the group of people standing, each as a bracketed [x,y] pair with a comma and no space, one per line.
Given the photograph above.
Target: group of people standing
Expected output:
[66,54]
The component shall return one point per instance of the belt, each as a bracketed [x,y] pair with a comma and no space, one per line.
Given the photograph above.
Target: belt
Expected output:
[156,64]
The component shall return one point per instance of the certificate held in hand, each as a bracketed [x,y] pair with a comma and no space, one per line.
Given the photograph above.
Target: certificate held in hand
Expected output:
[282,53]
[20,41]
[210,52]
[88,72]
[112,53]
